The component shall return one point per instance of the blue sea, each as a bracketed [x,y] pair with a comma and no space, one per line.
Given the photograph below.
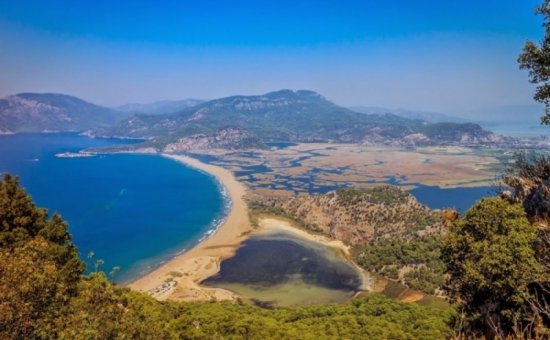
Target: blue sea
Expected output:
[133,211]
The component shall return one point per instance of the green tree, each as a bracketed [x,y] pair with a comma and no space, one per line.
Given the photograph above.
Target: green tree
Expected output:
[32,291]
[491,262]
[21,221]
[529,178]
[39,266]
[536,59]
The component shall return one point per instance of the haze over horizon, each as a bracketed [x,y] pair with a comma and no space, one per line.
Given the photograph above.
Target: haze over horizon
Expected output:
[456,58]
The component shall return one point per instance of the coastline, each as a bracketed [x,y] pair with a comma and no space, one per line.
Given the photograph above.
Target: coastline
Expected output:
[178,278]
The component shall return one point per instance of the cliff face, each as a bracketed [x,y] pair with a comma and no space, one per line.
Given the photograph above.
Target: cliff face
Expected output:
[359,216]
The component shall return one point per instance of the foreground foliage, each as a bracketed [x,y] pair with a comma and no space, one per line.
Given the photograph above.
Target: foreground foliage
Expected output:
[536,59]
[491,263]
[44,295]
[372,317]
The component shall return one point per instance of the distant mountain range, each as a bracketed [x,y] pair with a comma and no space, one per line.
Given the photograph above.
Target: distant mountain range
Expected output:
[44,112]
[33,112]
[233,122]
[296,116]
[430,117]
[159,107]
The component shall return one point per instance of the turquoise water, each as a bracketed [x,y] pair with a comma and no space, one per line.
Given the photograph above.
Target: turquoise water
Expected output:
[132,211]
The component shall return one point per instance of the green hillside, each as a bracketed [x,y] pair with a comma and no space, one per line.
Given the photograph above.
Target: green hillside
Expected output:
[285,115]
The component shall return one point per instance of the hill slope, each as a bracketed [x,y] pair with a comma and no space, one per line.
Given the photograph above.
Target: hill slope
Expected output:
[37,112]
[391,233]
[359,216]
[298,116]
[430,117]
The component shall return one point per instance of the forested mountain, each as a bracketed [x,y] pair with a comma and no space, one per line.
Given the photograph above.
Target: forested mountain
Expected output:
[285,115]
[39,112]
[298,116]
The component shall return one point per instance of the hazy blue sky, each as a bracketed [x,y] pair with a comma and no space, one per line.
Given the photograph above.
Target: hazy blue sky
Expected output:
[449,56]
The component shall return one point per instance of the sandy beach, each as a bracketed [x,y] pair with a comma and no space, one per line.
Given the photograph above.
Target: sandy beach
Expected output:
[273,224]
[203,260]
[270,224]
[179,278]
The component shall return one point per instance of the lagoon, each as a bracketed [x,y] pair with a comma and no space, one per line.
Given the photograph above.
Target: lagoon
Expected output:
[280,268]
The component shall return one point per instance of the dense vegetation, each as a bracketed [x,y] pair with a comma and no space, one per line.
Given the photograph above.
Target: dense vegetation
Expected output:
[420,257]
[43,294]
[491,261]
[412,257]
[372,317]
[376,195]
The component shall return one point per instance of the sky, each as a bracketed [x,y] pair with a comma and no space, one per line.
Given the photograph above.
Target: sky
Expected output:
[456,57]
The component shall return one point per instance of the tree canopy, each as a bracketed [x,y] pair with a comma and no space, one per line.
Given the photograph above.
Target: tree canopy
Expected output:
[536,59]
[491,262]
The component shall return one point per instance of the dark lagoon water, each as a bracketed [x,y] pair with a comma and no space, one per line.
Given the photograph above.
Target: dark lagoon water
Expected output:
[284,269]
[132,211]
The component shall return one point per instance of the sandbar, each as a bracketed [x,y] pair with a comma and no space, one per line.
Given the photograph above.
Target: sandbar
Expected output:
[202,261]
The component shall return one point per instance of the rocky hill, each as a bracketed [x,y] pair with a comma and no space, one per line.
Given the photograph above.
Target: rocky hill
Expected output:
[359,216]
[391,233]
[296,116]
[228,139]
[35,112]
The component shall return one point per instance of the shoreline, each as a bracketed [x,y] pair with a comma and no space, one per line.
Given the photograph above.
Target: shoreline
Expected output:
[271,223]
[178,278]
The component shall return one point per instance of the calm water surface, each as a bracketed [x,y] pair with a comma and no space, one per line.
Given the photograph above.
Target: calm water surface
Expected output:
[284,269]
[132,211]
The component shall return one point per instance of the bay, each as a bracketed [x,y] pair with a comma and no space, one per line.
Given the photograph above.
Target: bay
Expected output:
[134,211]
